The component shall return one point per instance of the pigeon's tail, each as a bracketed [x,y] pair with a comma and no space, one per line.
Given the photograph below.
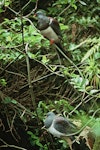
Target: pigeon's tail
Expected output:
[61,51]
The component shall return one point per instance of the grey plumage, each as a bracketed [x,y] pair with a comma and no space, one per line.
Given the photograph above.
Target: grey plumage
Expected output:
[43,20]
[58,125]
[48,121]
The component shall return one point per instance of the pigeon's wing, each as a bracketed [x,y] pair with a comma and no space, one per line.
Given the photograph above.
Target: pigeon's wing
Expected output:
[63,125]
[55,26]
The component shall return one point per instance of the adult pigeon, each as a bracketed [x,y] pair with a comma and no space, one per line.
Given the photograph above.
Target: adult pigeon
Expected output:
[50,29]
[59,126]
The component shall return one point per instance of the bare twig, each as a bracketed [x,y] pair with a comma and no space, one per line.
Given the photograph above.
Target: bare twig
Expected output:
[8,145]
[41,78]
[2,125]
[29,78]
[18,13]
[70,61]
[33,9]
[13,129]
[80,44]
[64,10]
[14,73]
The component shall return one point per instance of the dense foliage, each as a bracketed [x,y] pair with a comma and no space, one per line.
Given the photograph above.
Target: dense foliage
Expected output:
[32,79]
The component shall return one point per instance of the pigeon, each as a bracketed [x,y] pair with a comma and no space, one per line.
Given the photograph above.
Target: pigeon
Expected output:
[58,125]
[50,29]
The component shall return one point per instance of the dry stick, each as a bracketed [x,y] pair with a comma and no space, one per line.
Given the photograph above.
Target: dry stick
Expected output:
[36,5]
[13,129]
[69,61]
[29,78]
[30,84]
[39,79]
[33,10]
[24,6]
[80,44]
[27,61]
[18,13]
[15,73]
[64,10]
[8,145]
[81,103]
[9,65]
[22,107]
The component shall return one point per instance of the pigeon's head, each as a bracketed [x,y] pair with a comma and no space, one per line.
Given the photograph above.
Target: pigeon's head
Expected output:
[49,119]
[40,13]
[50,114]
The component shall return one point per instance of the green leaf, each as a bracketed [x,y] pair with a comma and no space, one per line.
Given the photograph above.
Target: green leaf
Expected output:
[94,91]
[96,127]
[83,3]
[3,82]
[64,27]
[87,55]
[97,55]
[98,1]
[31,55]
[44,59]
[14,101]
[79,83]
[29,132]
[7,100]
[72,46]
[38,143]
[7,3]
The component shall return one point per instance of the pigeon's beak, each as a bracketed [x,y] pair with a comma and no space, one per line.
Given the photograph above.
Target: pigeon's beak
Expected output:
[35,15]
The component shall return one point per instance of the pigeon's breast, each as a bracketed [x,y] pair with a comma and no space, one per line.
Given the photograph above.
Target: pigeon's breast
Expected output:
[50,34]
[54,132]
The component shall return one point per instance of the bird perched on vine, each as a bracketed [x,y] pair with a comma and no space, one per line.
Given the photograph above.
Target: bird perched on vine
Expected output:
[60,127]
[50,29]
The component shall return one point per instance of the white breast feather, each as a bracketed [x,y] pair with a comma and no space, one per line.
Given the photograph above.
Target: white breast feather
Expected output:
[50,34]
[54,132]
